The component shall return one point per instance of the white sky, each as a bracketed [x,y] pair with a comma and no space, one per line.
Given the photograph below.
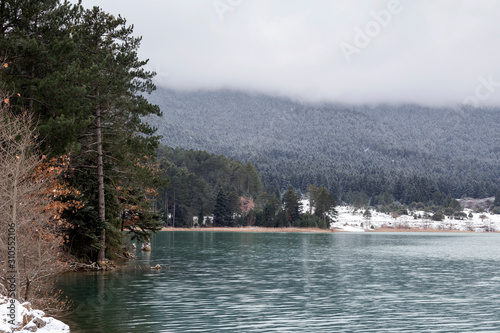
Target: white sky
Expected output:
[426,51]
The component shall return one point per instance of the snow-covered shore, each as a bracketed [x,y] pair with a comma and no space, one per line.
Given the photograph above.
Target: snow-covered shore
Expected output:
[350,220]
[28,320]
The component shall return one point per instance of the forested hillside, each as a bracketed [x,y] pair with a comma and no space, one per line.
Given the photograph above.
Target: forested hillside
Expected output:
[358,152]
[197,180]
[217,191]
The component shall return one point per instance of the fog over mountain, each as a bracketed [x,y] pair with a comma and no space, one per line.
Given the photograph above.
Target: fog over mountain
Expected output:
[378,51]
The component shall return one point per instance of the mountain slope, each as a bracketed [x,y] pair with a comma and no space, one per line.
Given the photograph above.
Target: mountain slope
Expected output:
[410,151]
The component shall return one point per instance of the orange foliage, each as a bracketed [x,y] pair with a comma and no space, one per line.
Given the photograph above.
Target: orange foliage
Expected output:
[246,204]
[51,173]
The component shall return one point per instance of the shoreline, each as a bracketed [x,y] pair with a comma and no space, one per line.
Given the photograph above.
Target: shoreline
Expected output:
[305,230]
[251,229]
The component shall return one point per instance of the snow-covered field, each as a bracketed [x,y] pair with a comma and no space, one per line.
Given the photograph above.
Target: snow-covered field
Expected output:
[351,220]
[28,320]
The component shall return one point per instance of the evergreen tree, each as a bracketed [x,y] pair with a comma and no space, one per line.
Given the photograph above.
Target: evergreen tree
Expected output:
[253,183]
[313,197]
[292,206]
[496,203]
[222,212]
[201,217]
[270,207]
[325,205]
[117,143]
[455,205]
[234,204]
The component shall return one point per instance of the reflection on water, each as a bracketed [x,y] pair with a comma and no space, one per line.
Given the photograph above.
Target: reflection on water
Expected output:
[271,282]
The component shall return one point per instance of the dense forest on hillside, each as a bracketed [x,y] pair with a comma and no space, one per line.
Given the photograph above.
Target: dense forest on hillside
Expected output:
[211,190]
[358,152]
[196,178]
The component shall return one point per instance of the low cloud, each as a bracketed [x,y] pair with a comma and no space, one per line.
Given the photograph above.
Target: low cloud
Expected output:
[429,52]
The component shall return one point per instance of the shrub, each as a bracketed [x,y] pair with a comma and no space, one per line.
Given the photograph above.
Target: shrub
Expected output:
[448,211]
[438,216]
[310,221]
[460,216]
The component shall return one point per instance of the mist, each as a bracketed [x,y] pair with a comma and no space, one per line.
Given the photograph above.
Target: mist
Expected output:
[426,52]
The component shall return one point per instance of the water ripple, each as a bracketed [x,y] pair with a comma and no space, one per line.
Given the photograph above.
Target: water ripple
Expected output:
[236,282]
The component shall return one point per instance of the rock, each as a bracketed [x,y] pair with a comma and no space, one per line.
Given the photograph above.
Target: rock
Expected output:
[146,247]
[28,320]
[39,322]
[128,255]
[27,306]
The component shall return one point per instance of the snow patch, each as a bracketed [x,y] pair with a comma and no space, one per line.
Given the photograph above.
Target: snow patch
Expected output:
[28,320]
[349,219]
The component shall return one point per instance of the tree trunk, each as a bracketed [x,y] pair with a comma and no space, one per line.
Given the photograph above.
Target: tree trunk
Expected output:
[101,255]
[123,220]
[28,289]
[173,217]
[165,197]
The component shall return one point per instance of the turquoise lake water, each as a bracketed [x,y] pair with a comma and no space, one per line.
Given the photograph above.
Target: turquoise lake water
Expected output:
[296,282]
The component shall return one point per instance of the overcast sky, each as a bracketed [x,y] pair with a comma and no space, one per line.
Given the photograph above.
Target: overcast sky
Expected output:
[423,51]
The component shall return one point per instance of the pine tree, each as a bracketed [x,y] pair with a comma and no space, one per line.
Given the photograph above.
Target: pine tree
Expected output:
[325,205]
[114,79]
[292,206]
[313,197]
[222,212]
[496,203]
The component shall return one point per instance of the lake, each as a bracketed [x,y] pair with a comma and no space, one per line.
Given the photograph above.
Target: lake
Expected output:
[296,282]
